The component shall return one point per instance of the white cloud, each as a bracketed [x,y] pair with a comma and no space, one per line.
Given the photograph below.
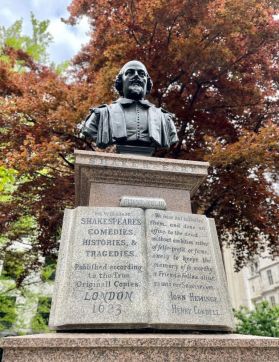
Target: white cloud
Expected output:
[8,15]
[67,39]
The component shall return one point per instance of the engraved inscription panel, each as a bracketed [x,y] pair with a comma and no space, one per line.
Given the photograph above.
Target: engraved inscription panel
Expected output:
[107,278]
[184,284]
[126,267]
[143,202]
[150,164]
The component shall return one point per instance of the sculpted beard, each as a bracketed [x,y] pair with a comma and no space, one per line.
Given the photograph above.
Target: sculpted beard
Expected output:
[135,89]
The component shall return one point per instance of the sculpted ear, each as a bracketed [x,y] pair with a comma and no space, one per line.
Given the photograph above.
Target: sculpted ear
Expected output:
[119,84]
[149,85]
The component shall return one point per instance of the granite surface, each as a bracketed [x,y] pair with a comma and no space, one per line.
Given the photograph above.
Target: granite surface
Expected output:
[72,347]
[115,169]
[187,284]
[126,268]
[101,273]
[108,195]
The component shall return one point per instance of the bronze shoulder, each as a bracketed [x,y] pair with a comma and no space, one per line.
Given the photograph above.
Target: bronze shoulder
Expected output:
[167,113]
[96,110]
[164,110]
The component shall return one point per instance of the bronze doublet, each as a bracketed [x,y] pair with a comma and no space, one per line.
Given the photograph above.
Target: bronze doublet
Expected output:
[136,119]
[127,121]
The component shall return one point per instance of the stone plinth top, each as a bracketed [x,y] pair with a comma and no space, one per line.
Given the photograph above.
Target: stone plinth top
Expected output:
[65,340]
[99,167]
[141,162]
[114,347]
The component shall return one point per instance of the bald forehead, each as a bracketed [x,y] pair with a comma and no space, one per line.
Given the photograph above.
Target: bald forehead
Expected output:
[133,65]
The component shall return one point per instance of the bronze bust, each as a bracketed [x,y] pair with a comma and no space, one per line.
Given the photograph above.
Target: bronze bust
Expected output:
[131,120]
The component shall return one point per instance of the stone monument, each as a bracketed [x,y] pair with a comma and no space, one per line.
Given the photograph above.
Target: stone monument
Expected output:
[132,255]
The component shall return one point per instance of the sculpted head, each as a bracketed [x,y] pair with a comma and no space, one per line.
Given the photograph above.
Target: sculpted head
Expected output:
[133,81]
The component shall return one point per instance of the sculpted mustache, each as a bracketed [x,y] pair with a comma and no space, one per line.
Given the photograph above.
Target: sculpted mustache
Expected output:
[136,81]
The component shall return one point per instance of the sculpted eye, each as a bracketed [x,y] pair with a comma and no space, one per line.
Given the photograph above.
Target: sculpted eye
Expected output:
[129,72]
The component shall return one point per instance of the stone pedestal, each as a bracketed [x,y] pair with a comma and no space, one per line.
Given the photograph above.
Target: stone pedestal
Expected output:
[132,255]
[140,347]
[135,239]
[101,179]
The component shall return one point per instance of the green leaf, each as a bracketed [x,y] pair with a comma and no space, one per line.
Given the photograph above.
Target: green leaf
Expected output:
[262,321]
[35,46]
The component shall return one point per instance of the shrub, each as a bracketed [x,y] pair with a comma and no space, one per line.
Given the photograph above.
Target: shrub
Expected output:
[262,321]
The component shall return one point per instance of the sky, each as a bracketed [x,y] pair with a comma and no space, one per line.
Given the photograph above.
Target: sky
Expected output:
[67,39]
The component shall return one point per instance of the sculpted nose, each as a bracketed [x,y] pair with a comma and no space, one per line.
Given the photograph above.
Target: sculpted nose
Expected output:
[135,77]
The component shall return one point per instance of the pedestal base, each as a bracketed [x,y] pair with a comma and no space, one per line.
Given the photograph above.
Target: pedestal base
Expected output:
[72,347]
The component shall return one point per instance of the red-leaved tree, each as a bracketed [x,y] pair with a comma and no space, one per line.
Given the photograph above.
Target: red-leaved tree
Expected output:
[213,63]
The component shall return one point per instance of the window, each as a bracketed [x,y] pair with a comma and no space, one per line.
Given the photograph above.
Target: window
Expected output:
[272,300]
[269,276]
[254,268]
[7,311]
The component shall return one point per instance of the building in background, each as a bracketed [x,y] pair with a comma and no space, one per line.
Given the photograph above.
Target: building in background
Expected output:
[238,283]
[263,280]
[257,282]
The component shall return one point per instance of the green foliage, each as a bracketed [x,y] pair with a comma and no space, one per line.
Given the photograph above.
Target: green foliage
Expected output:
[48,270]
[35,46]
[7,312]
[61,67]
[20,55]
[40,40]
[263,321]
[7,181]
[13,265]
[14,314]
[40,320]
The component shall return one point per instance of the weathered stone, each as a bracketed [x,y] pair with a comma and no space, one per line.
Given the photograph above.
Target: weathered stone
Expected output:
[187,285]
[102,178]
[101,273]
[108,195]
[117,347]
[143,202]
[111,275]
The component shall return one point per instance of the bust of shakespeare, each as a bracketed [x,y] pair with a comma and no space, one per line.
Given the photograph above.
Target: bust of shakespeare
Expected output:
[131,120]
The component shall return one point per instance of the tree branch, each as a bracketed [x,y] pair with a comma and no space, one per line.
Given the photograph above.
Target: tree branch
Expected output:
[171,29]
[46,176]
[151,38]
[132,8]
[211,207]
[22,286]
[71,165]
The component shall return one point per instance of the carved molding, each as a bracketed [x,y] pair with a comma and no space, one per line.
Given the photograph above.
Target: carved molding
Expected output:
[135,170]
